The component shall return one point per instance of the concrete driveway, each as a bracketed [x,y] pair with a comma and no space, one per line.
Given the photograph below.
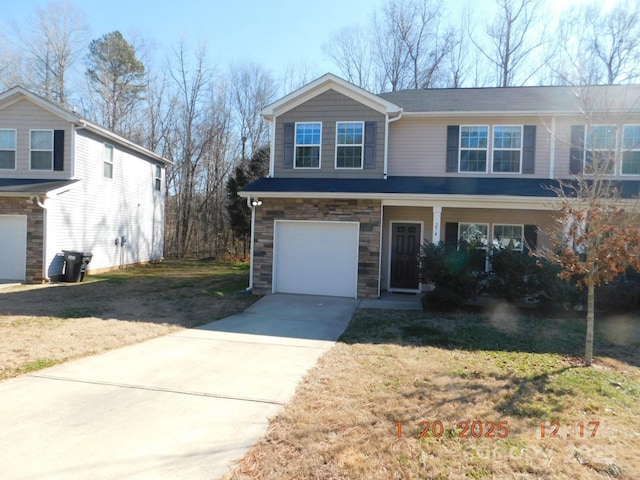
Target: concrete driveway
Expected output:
[183,406]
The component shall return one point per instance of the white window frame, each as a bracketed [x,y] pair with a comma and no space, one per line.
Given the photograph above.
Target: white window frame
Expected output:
[493,235]
[105,161]
[296,145]
[361,145]
[487,150]
[635,148]
[494,149]
[14,150]
[31,150]
[589,129]
[157,181]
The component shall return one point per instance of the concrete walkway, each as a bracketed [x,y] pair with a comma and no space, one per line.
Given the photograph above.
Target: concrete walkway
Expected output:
[183,406]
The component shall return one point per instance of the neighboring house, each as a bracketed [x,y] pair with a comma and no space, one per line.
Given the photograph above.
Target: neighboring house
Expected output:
[358,181]
[68,184]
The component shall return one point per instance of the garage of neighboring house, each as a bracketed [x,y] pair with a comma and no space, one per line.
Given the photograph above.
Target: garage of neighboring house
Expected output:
[316,258]
[13,247]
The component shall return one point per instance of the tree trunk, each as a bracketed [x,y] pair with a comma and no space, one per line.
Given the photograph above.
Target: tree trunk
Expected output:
[588,348]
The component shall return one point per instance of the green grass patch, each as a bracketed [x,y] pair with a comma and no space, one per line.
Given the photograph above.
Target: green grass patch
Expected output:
[35,365]
[81,311]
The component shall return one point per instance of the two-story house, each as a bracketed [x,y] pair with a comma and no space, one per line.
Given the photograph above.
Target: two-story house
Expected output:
[69,184]
[358,181]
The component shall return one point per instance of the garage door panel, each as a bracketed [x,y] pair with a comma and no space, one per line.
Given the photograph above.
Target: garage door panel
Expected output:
[316,258]
[13,247]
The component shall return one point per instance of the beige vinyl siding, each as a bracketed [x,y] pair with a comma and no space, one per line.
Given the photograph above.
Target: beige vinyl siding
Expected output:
[24,116]
[418,146]
[328,108]
[95,210]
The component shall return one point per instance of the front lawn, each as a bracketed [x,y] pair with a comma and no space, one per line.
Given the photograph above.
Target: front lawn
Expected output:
[461,396]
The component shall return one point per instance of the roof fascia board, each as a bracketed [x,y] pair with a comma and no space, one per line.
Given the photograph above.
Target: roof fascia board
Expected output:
[321,85]
[523,113]
[426,200]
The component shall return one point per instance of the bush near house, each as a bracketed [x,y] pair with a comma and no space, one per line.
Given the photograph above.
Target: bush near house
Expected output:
[457,275]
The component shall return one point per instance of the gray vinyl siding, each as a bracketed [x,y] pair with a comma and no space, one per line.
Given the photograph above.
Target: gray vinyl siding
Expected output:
[95,210]
[24,116]
[329,107]
[418,146]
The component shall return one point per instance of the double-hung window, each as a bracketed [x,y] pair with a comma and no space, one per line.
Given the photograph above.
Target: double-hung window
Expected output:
[631,150]
[107,161]
[477,235]
[307,145]
[349,144]
[7,149]
[507,148]
[508,236]
[600,149]
[473,148]
[41,153]
[158,178]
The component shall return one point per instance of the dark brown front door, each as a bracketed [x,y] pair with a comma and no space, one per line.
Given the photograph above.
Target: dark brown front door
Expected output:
[405,243]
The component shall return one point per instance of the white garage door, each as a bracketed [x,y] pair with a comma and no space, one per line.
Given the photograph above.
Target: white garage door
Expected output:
[316,258]
[13,247]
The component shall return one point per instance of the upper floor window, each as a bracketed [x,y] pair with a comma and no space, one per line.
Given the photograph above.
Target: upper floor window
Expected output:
[7,149]
[107,161]
[41,143]
[473,148]
[158,178]
[349,144]
[600,149]
[631,150]
[505,236]
[507,148]
[307,145]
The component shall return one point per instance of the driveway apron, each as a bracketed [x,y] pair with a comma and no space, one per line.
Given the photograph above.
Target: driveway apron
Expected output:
[182,406]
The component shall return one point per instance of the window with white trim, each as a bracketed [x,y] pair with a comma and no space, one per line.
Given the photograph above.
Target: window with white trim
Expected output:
[508,236]
[41,149]
[600,149]
[307,145]
[507,148]
[631,150]
[107,161]
[473,148]
[474,233]
[7,149]
[158,178]
[349,144]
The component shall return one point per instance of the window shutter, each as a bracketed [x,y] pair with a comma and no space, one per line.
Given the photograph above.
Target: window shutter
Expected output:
[529,149]
[576,152]
[58,150]
[289,142]
[369,160]
[530,238]
[453,138]
[451,235]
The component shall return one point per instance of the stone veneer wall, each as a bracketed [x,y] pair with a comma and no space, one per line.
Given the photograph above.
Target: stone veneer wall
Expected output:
[367,212]
[35,232]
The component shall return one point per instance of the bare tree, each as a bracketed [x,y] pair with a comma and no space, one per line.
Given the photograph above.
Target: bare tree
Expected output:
[253,89]
[350,49]
[52,42]
[510,45]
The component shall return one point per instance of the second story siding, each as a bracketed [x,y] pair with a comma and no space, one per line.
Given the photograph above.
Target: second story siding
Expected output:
[24,118]
[331,110]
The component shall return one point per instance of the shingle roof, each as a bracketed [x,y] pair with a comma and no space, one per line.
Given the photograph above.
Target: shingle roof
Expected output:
[517,187]
[31,185]
[515,99]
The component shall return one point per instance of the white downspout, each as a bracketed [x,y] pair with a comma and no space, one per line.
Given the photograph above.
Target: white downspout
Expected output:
[386,141]
[38,202]
[272,149]
[252,204]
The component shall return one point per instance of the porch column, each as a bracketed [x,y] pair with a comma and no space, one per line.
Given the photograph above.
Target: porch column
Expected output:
[437,216]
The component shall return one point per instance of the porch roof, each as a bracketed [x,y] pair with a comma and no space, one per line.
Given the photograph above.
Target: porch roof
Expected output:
[31,186]
[516,187]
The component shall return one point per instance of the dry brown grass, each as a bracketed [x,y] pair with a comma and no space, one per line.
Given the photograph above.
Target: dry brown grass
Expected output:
[41,325]
[400,367]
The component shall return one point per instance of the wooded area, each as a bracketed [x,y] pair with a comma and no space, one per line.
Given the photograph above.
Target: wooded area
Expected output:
[207,121]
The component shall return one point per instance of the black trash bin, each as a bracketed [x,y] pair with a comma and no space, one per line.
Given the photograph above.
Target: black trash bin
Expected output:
[75,265]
